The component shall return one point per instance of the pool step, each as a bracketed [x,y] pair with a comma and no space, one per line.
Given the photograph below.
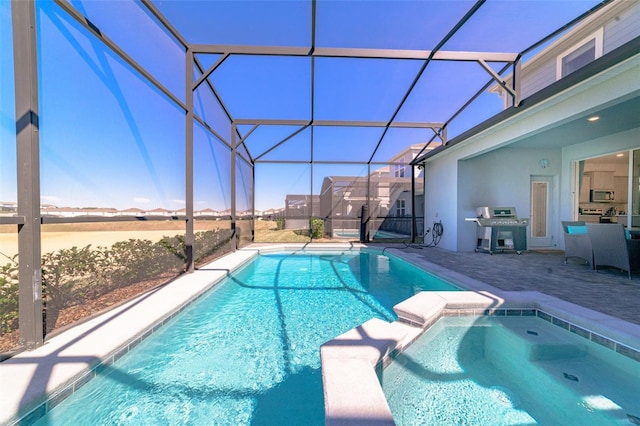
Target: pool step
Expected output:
[533,345]
[555,351]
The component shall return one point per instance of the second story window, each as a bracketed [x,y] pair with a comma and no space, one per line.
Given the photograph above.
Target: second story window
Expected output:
[580,55]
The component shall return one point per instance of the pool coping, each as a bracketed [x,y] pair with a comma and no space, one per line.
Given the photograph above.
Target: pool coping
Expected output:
[351,363]
[34,382]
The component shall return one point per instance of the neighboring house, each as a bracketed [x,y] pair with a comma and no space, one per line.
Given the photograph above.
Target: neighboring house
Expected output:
[132,211]
[580,100]
[204,212]
[388,197]
[8,207]
[402,161]
[49,210]
[299,208]
[271,214]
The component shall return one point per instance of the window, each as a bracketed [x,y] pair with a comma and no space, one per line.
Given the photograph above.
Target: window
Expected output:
[575,58]
[400,208]
[399,170]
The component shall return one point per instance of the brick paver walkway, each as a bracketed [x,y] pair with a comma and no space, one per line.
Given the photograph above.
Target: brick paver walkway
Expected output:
[609,290]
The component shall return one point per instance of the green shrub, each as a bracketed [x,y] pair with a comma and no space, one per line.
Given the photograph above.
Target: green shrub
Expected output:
[68,275]
[9,296]
[71,276]
[317,228]
[209,242]
[280,223]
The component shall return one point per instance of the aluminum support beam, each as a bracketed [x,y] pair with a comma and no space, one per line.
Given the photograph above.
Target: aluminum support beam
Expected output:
[12,220]
[363,162]
[211,130]
[367,220]
[346,52]
[246,135]
[205,75]
[234,154]
[218,98]
[515,91]
[339,123]
[160,17]
[111,219]
[496,77]
[517,67]
[337,52]
[253,202]
[251,50]
[189,117]
[427,61]
[23,15]
[413,204]
[281,142]
[270,122]
[398,124]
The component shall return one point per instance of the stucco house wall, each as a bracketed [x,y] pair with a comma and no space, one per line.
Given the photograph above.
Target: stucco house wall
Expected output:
[615,24]
[441,198]
[501,178]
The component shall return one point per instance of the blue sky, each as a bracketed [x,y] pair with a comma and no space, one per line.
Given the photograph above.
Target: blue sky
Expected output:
[109,138]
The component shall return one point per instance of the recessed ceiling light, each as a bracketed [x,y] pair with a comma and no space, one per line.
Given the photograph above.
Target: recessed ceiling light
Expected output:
[593,118]
[620,155]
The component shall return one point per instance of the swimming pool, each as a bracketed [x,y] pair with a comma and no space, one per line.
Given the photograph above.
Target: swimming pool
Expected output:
[248,351]
[507,371]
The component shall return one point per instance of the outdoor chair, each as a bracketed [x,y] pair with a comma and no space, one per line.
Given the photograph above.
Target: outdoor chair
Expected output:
[610,246]
[577,242]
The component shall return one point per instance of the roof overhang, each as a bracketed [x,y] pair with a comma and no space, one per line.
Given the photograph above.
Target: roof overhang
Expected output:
[600,65]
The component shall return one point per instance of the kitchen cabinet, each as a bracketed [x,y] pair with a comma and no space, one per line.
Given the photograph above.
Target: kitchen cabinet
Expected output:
[621,188]
[591,218]
[601,180]
[584,188]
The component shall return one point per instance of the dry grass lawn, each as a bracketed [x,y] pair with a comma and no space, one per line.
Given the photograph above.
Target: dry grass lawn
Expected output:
[60,236]
[67,235]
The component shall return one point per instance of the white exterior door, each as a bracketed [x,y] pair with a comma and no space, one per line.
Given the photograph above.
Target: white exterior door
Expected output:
[542,208]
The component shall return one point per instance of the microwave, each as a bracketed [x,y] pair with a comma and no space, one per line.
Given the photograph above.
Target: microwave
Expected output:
[601,196]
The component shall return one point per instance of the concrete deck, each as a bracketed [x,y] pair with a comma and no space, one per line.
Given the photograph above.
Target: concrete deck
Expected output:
[608,291]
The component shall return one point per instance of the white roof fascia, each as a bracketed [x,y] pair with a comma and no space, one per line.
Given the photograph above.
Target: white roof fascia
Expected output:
[616,82]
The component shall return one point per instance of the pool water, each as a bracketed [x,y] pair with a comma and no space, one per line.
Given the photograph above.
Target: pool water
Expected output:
[248,351]
[510,371]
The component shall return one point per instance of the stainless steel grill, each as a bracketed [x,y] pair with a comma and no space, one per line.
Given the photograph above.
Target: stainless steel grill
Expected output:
[499,228]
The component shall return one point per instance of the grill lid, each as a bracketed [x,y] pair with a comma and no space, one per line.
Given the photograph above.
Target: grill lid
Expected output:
[497,216]
[496,212]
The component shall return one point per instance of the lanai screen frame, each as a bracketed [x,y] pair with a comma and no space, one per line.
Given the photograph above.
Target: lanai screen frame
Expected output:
[29,219]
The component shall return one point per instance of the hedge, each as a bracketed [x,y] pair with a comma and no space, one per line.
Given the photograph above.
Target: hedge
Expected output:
[72,276]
